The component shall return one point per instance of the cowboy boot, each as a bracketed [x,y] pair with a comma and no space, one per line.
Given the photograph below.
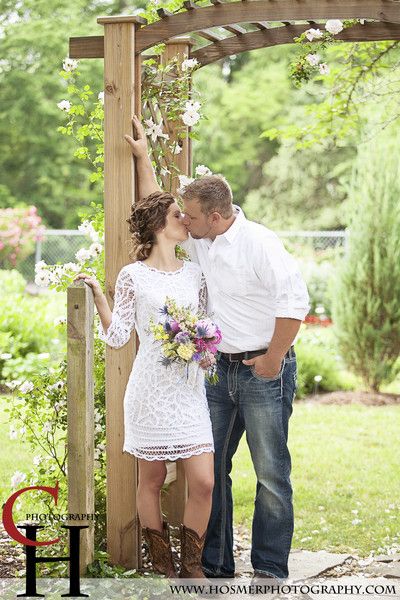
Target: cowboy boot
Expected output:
[191,551]
[160,551]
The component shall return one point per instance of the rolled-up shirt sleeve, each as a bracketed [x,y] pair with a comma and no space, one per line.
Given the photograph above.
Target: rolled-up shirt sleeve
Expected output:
[123,314]
[280,273]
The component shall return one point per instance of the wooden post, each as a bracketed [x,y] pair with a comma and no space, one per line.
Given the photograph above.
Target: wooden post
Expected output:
[121,99]
[80,411]
[175,495]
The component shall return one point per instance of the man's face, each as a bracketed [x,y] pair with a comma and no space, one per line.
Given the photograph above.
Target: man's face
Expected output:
[198,224]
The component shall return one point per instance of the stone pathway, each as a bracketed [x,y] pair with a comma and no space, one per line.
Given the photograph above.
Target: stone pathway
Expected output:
[303,564]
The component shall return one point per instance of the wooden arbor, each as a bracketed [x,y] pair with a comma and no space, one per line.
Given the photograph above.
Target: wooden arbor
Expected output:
[218,30]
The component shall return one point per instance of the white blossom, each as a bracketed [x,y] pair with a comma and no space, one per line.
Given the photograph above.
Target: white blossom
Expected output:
[22,430]
[87,228]
[334,26]
[323,68]
[69,64]
[72,267]
[13,433]
[192,106]
[164,171]
[60,321]
[47,427]
[189,63]
[318,378]
[190,118]
[43,355]
[39,266]
[82,255]
[42,278]
[100,97]
[356,521]
[202,170]
[57,386]
[155,131]
[313,34]
[26,387]
[64,105]
[95,249]
[37,460]
[313,59]
[183,182]
[5,356]
[13,384]
[177,149]
[17,478]
[362,21]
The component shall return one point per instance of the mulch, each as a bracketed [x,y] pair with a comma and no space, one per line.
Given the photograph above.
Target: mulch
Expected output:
[354,397]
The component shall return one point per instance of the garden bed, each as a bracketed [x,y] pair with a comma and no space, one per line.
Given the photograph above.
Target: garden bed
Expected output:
[354,397]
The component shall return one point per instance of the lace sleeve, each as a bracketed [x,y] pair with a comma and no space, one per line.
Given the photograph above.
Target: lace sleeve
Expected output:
[203,295]
[123,314]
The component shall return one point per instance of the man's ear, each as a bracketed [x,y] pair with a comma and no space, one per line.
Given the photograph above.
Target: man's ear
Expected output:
[215,218]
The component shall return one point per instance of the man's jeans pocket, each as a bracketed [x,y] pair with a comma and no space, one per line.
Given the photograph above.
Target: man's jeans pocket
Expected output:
[261,378]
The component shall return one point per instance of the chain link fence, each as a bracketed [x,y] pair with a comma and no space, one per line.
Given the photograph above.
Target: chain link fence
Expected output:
[61,245]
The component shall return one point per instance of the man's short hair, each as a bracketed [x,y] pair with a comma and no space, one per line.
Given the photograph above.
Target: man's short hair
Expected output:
[214,194]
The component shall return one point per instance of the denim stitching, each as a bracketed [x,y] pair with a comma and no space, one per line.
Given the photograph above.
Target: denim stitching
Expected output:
[223,487]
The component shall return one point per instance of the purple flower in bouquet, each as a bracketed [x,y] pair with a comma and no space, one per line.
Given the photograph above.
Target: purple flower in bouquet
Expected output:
[206,329]
[206,346]
[175,327]
[182,337]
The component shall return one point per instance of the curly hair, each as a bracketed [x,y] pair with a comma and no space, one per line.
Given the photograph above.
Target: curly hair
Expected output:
[148,216]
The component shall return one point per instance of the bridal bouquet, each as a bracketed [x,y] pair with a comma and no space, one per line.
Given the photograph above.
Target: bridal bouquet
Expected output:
[186,337]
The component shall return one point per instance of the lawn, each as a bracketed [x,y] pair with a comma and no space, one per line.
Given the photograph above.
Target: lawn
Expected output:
[345,476]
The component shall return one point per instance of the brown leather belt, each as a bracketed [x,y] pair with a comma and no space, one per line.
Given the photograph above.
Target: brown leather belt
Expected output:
[233,357]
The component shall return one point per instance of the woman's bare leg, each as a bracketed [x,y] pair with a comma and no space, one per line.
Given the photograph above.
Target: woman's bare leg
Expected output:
[151,478]
[199,471]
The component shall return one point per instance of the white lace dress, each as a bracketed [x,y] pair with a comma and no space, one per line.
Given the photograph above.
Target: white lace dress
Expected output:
[166,414]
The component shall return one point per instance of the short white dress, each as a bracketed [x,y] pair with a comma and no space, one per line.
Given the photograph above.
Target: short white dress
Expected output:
[166,413]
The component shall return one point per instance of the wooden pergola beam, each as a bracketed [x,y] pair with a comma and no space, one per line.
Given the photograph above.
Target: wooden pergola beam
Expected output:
[284,35]
[263,10]
[93,47]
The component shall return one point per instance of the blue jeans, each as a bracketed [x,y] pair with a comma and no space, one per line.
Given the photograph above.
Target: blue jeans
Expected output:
[243,401]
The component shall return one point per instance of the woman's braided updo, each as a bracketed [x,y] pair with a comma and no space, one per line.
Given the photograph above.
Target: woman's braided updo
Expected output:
[148,216]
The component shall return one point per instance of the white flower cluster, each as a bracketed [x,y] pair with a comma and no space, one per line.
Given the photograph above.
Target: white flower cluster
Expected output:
[184,181]
[189,64]
[69,64]
[191,114]
[332,26]
[47,274]
[64,105]
[155,131]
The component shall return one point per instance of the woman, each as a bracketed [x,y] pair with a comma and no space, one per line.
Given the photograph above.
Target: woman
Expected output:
[166,414]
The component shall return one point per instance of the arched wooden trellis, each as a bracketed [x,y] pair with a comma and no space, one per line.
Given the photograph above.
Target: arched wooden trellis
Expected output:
[216,31]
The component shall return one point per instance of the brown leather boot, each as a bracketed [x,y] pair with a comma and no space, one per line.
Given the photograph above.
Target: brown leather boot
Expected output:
[160,550]
[191,551]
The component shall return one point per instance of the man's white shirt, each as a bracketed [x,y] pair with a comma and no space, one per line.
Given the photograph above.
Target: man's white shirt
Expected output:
[251,279]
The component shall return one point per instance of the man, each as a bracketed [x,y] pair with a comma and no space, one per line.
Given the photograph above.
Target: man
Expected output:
[259,299]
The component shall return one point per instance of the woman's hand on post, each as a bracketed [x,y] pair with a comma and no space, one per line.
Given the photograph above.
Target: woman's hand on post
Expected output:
[138,145]
[92,283]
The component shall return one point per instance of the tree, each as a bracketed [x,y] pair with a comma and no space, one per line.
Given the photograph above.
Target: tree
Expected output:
[366,307]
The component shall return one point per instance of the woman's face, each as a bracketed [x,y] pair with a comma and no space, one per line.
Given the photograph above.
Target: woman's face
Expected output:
[175,229]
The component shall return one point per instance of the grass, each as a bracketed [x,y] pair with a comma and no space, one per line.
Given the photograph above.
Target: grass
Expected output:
[344,459]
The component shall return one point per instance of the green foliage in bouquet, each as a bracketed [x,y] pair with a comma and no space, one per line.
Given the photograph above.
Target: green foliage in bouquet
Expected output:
[366,303]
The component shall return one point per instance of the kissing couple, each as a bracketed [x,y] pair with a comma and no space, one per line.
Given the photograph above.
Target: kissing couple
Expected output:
[240,273]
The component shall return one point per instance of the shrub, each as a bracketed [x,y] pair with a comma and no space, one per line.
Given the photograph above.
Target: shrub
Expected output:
[19,229]
[320,368]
